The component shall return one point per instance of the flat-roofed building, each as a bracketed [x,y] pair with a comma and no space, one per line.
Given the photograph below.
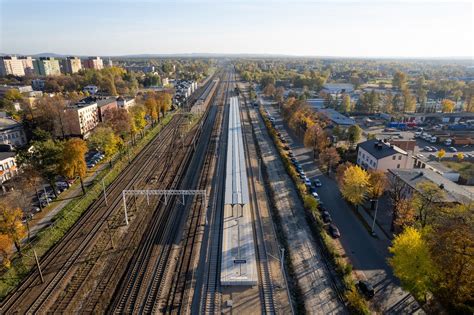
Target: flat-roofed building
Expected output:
[27,63]
[93,63]
[47,66]
[105,105]
[81,119]
[11,65]
[72,65]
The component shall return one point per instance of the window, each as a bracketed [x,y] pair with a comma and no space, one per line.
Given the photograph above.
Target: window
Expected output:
[399,157]
[398,165]
[394,157]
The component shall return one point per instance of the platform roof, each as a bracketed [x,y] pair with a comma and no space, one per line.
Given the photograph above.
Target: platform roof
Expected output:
[236,184]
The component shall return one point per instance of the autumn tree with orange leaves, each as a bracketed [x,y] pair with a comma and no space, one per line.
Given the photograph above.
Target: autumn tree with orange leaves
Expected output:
[12,230]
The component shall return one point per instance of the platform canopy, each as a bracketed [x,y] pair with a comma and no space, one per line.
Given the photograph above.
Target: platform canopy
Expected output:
[236,184]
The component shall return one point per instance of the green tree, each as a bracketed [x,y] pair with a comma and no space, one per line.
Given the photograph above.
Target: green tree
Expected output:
[412,262]
[409,101]
[399,80]
[104,139]
[354,134]
[73,163]
[345,106]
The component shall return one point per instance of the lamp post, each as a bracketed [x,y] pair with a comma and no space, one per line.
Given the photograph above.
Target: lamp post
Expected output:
[375,215]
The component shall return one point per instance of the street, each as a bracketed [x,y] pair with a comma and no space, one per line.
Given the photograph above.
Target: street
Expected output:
[367,254]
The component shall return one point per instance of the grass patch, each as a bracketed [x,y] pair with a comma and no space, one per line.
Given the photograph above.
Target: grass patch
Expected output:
[464,168]
[65,219]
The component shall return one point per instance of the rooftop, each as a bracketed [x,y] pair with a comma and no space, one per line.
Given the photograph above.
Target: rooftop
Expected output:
[453,191]
[379,149]
[6,155]
[8,123]
[336,117]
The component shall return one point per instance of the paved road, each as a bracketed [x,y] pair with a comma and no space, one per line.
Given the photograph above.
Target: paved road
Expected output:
[367,254]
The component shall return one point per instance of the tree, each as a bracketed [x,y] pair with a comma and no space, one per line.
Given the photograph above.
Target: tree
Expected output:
[104,139]
[328,157]
[316,138]
[279,93]
[409,101]
[447,106]
[138,118]
[73,161]
[355,185]
[269,90]
[6,245]
[441,154]
[11,225]
[151,109]
[451,242]
[164,102]
[460,156]
[345,106]
[399,80]
[426,201]
[378,184]
[119,120]
[412,263]
[44,156]
[388,103]
[354,134]
[405,214]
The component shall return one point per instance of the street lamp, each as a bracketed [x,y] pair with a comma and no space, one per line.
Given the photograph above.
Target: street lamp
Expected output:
[375,215]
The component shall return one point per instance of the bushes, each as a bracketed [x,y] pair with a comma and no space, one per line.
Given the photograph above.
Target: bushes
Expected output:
[356,303]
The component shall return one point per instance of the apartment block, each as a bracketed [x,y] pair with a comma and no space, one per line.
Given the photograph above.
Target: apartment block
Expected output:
[72,65]
[47,66]
[94,63]
[11,65]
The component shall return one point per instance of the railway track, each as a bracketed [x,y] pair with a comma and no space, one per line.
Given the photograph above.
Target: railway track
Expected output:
[208,299]
[179,299]
[141,289]
[57,264]
[264,273]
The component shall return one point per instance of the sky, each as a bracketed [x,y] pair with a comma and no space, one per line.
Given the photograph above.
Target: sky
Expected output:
[367,28]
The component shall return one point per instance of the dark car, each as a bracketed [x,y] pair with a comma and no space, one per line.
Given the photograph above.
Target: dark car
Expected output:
[317,183]
[334,231]
[286,147]
[326,217]
[366,288]
[291,154]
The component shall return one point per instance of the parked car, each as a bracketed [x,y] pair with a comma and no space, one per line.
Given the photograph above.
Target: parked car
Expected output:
[452,149]
[434,149]
[302,175]
[317,182]
[315,195]
[326,217]
[291,154]
[286,147]
[427,148]
[366,288]
[334,231]
[307,182]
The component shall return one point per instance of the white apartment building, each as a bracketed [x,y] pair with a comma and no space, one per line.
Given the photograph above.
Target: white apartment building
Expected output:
[81,119]
[11,65]
[378,155]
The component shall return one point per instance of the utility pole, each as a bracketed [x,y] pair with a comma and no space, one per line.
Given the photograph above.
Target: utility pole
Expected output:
[38,265]
[105,193]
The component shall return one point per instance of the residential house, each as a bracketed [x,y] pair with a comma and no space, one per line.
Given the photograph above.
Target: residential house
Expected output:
[379,155]
[94,63]
[412,178]
[72,65]
[104,105]
[11,132]
[47,66]
[81,118]
[125,102]
[8,167]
